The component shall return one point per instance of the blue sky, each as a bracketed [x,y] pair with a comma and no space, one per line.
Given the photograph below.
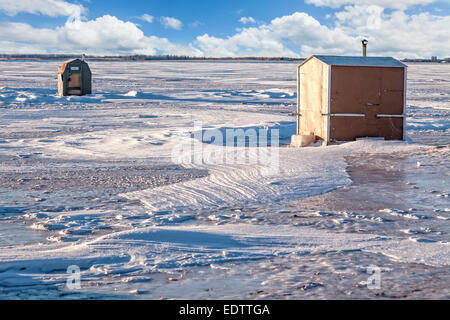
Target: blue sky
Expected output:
[219,18]
[404,28]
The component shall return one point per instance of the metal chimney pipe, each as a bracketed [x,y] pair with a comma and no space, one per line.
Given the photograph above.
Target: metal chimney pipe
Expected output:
[364,47]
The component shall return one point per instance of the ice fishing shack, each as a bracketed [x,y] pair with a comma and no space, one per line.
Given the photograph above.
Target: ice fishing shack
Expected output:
[341,98]
[74,78]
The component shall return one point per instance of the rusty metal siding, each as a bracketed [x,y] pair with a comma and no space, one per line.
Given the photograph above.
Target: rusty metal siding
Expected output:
[373,98]
[350,127]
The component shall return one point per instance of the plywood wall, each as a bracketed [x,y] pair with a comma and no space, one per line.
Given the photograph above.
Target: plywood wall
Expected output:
[313,98]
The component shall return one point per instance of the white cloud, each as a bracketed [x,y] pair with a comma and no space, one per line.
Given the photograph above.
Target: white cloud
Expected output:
[397,34]
[299,30]
[248,42]
[358,16]
[246,20]
[195,24]
[171,23]
[50,8]
[12,47]
[104,35]
[394,4]
[147,17]
[390,34]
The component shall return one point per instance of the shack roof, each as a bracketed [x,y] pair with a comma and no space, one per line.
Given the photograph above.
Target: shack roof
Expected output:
[358,61]
[71,60]
[64,65]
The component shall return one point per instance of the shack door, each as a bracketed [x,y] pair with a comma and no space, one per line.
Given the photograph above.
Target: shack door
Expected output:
[74,85]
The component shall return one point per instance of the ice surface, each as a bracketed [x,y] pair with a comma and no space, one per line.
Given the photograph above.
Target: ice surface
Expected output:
[92,181]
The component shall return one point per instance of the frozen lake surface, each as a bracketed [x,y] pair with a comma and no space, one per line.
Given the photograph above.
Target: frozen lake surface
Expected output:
[91,181]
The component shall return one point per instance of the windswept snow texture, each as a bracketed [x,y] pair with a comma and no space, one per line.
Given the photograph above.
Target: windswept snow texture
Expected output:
[99,182]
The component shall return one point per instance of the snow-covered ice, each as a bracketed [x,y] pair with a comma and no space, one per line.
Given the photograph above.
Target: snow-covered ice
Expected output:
[91,181]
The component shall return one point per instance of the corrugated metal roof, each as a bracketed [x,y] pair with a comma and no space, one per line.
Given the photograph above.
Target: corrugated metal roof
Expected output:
[360,61]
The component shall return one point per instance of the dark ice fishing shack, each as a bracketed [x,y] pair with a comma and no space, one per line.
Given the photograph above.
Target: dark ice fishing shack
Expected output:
[74,78]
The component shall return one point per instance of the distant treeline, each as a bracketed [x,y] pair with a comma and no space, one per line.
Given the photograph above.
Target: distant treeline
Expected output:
[137,58]
[444,60]
[172,57]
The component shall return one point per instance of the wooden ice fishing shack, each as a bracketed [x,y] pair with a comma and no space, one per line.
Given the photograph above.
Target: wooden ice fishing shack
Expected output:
[74,78]
[341,98]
